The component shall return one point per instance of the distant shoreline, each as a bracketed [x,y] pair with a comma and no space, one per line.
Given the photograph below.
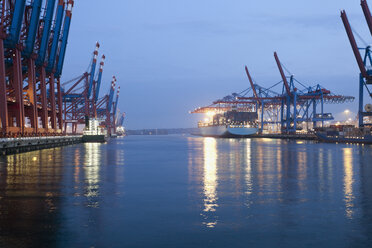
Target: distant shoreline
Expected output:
[161,131]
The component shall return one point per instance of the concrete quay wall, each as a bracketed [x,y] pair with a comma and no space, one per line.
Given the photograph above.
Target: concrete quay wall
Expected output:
[25,144]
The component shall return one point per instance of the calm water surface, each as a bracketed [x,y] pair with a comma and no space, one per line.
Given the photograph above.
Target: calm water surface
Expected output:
[180,191]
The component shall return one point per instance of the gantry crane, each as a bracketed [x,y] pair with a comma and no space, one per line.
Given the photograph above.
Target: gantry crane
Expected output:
[31,59]
[364,64]
[82,102]
[77,103]
[287,109]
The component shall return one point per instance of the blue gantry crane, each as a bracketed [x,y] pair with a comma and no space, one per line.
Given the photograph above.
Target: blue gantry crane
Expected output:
[30,49]
[300,103]
[99,80]
[56,36]
[92,71]
[80,105]
[287,111]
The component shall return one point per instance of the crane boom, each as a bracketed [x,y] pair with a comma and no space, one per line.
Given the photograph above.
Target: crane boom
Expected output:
[354,46]
[101,64]
[367,14]
[111,95]
[16,25]
[46,32]
[66,31]
[251,82]
[93,70]
[116,101]
[32,30]
[57,31]
[282,74]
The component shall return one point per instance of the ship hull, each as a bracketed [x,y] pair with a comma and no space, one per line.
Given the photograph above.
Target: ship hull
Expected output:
[97,138]
[226,131]
[367,139]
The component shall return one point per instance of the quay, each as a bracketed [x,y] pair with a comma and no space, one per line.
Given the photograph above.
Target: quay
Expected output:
[34,104]
[25,144]
[305,136]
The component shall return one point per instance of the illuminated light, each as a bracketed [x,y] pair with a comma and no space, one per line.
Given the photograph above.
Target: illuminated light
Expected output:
[34,158]
[248,169]
[211,113]
[347,111]
[348,182]
[210,181]
[206,119]
[91,168]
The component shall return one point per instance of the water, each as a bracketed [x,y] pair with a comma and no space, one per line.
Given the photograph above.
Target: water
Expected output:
[179,191]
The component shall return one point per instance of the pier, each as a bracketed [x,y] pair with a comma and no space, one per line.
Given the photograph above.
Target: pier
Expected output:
[306,136]
[37,109]
[25,144]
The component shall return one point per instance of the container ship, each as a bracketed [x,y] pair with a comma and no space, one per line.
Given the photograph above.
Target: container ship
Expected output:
[229,124]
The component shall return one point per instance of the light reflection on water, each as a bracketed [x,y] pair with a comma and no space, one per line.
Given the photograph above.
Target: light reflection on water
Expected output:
[348,181]
[25,173]
[188,192]
[29,197]
[302,168]
[91,168]
[210,181]
[271,172]
[248,168]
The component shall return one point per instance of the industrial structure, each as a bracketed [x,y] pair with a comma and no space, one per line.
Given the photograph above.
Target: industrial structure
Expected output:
[33,102]
[364,64]
[120,130]
[297,107]
[120,121]
[82,102]
[32,52]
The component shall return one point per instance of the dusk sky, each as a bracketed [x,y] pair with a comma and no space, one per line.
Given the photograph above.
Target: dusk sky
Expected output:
[172,56]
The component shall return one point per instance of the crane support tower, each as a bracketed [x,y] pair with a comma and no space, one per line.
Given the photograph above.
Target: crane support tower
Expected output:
[32,50]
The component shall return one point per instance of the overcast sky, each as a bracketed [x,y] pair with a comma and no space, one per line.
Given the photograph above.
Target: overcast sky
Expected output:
[171,56]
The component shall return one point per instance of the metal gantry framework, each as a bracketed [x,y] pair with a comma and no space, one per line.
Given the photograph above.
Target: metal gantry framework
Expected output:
[364,64]
[301,104]
[120,121]
[110,106]
[33,40]
[81,98]
[296,107]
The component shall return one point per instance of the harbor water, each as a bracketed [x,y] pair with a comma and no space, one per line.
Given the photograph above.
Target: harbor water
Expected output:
[186,191]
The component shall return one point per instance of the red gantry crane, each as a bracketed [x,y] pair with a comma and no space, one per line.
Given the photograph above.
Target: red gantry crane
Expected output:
[32,51]
[82,102]
[364,64]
